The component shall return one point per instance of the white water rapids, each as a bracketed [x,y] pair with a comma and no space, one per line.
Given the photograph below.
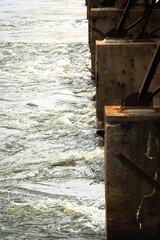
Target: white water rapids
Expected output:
[51,159]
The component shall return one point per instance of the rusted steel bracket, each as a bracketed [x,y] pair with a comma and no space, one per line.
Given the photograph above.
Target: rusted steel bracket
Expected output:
[151,33]
[141,172]
[145,98]
[121,31]
[146,16]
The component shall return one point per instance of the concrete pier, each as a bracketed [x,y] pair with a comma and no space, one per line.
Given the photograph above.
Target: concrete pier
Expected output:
[132,199]
[103,20]
[132,136]
[120,69]
[100,4]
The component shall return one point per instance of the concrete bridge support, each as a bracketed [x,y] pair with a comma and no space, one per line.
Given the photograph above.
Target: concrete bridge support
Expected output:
[132,137]
[132,199]
[91,4]
[120,69]
[106,19]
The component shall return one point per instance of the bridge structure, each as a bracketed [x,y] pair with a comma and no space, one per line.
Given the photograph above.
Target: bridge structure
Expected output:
[124,39]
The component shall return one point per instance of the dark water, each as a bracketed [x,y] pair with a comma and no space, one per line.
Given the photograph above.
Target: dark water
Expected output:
[51,160]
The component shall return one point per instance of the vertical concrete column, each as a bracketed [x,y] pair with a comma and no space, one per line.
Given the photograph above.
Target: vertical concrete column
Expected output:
[91,4]
[120,69]
[132,202]
[103,20]
[100,4]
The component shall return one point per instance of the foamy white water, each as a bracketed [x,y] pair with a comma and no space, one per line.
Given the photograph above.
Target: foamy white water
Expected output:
[52,166]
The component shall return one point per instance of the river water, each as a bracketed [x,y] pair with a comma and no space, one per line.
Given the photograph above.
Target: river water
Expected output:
[51,160]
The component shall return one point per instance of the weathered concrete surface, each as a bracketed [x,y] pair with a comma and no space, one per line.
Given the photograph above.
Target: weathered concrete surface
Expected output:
[132,203]
[120,70]
[114,3]
[105,19]
[99,4]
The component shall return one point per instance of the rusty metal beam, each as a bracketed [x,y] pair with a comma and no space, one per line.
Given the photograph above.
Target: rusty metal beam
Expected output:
[124,17]
[138,170]
[144,99]
[149,75]
[146,16]
[151,32]
[121,31]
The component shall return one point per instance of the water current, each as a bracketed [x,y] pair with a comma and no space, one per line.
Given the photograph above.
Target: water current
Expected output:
[51,159]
